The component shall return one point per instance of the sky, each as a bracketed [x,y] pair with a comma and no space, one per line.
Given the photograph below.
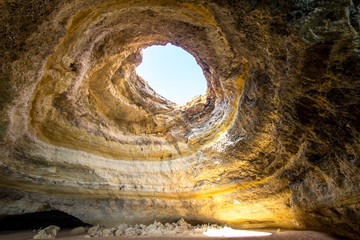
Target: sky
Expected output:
[172,72]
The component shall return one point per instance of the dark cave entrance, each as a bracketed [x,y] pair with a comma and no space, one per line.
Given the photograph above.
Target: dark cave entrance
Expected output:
[37,220]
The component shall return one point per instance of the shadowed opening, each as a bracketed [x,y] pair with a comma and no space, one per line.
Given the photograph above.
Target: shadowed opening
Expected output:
[39,220]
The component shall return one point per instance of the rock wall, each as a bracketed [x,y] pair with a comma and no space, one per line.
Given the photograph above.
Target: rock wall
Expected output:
[274,143]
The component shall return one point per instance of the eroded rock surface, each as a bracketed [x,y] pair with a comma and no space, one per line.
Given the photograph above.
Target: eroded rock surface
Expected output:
[48,233]
[274,143]
[157,229]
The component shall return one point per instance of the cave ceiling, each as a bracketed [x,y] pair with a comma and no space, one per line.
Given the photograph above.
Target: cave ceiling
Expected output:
[274,142]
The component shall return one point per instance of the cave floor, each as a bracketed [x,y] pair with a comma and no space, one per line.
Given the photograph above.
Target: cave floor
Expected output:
[286,234]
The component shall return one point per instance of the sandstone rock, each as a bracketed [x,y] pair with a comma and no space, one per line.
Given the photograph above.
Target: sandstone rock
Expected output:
[159,226]
[119,232]
[47,233]
[154,233]
[122,226]
[274,143]
[132,232]
[198,231]
[183,224]
[78,231]
[151,228]
[107,233]
[170,233]
[121,229]
[101,231]
[93,231]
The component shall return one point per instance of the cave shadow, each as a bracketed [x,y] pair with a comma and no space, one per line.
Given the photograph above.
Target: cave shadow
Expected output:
[37,220]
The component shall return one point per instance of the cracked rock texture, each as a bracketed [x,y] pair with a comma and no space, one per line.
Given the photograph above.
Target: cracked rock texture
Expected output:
[274,143]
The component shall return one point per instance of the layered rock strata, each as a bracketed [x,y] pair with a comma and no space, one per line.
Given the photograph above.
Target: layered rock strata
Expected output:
[274,143]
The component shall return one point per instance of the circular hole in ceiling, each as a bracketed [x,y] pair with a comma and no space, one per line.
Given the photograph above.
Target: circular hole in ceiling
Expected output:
[172,72]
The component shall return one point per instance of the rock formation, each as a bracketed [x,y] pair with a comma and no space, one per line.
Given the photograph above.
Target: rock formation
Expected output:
[274,143]
[47,233]
[156,229]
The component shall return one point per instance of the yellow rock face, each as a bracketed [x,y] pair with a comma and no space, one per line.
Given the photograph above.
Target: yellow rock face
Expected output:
[82,133]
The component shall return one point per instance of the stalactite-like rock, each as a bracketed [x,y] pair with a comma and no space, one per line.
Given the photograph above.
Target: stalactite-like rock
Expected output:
[274,143]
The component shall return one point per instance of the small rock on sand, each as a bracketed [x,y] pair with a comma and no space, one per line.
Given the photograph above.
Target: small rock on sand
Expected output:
[107,233]
[78,231]
[47,233]
[93,230]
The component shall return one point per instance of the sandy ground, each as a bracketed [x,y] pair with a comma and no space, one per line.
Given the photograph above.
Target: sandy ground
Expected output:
[286,234]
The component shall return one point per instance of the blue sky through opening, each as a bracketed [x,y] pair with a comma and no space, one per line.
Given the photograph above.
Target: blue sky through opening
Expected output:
[172,72]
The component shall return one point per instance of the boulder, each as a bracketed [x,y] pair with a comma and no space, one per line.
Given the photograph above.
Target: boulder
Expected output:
[47,233]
